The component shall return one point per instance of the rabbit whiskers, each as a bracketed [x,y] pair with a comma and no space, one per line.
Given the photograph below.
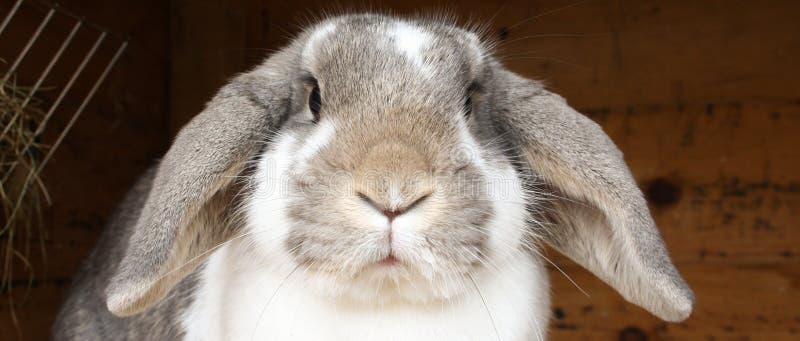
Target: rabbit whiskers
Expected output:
[271,297]
[485,306]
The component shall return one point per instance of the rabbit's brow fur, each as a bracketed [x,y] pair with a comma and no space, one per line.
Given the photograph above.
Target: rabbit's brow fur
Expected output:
[393,107]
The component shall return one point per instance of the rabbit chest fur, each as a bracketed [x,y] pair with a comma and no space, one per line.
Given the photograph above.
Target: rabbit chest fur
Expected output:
[259,304]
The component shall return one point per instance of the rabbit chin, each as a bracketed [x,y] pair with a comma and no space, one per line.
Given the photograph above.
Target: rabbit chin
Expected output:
[391,282]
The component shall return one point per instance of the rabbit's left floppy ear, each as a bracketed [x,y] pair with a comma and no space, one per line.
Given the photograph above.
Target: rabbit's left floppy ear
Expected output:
[180,218]
[599,217]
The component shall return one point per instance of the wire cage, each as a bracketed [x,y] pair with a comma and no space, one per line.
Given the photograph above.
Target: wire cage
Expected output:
[52,63]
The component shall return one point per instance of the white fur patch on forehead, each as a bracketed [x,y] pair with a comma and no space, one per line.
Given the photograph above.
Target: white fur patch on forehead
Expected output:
[322,135]
[410,40]
[319,34]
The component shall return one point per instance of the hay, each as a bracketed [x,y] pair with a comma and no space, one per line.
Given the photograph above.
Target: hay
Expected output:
[21,190]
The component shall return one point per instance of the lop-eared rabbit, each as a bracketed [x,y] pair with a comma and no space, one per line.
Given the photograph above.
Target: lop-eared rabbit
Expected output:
[379,178]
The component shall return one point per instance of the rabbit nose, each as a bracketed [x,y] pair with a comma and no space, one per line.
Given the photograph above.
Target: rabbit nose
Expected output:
[391,213]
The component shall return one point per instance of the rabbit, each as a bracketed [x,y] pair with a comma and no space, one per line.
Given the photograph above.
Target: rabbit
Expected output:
[379,178]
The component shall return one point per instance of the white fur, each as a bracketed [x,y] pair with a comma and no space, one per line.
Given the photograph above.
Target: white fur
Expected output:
[317,37]
[475,44]
[411,41]
[468,150]
[395,199]
[322,135]
[236,291]
[251,290]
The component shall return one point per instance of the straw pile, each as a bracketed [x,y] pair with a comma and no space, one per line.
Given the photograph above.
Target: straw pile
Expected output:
[21,190]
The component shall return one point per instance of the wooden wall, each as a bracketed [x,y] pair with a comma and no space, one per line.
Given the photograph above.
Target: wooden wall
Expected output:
[703,98]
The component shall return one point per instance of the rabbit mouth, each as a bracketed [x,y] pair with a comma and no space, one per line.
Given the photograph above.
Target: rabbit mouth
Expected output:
[389,261]
[417,275]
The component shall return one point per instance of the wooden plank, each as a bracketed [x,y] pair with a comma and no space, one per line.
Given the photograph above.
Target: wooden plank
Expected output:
[60,261]
[732,301]
[635,334]
[35,310]
[721,178]
[208,47]
[606,52]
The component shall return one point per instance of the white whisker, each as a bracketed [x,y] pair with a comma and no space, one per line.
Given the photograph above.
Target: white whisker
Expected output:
[266,305]
[485,306]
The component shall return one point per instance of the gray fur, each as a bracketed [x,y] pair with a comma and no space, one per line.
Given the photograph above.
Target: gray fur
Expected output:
[137,281]
[205,157]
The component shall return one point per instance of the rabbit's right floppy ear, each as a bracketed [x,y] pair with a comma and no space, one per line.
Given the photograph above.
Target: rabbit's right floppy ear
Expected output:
[596,215]
[179,221]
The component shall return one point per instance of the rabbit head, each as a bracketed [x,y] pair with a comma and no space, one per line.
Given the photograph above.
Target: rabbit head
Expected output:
[385,189]
[393,159]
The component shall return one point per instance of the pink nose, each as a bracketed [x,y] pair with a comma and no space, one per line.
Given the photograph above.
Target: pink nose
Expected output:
[391,213]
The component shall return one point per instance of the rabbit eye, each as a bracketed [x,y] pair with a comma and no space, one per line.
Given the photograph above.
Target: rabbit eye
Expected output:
[314,102]
[468,106]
